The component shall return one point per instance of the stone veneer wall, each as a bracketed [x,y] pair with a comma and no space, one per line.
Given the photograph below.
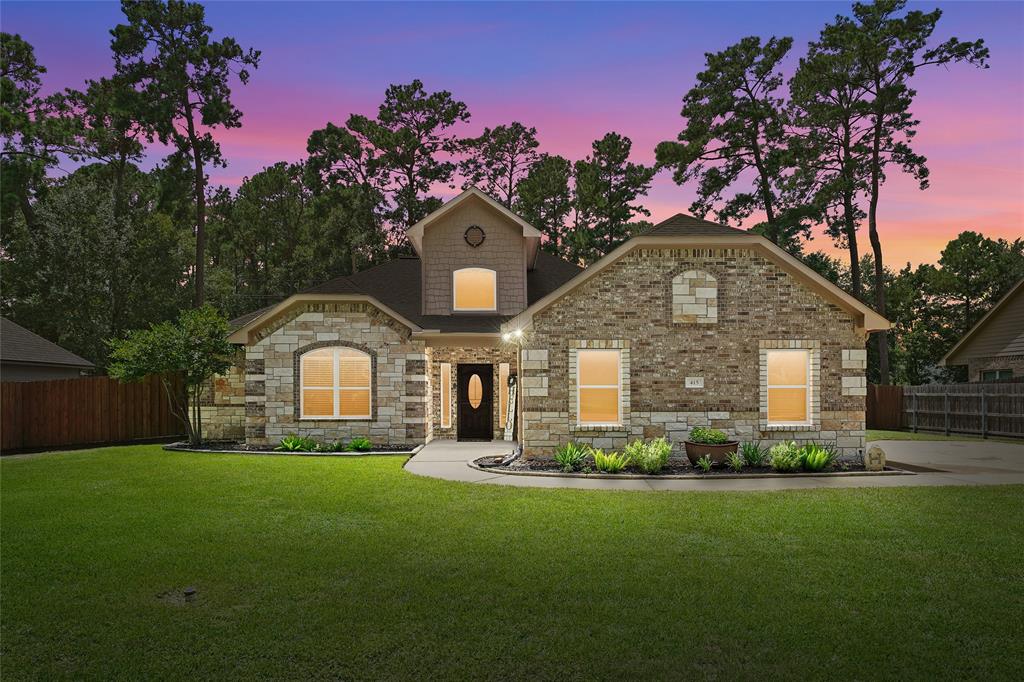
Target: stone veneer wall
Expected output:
[401,410]
[454,356]
[975,366]
[445,250]
[630,306]
[222,407]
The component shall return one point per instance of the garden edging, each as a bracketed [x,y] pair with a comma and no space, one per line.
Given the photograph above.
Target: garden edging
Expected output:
[888,471]
[179,447]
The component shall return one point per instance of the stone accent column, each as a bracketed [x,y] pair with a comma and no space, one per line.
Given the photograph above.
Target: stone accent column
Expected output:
[255,397]
[416,400]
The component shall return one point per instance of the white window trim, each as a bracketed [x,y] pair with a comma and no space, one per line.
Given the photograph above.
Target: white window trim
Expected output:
[335,389]
[580,386]
[446,394]
[806,386]
[475,310]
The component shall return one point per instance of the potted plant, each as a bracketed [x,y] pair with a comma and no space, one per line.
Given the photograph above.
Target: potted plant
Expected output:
[710,442]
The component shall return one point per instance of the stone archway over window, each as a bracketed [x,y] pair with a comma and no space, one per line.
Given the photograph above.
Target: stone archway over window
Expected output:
[695,297]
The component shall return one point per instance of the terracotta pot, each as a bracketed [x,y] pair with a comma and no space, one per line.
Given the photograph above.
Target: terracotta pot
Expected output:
[694,451]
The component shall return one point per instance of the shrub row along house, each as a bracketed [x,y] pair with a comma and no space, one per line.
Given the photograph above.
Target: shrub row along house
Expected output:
[689,324]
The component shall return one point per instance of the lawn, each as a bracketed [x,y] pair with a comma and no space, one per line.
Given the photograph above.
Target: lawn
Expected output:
[353,568]
[872,434]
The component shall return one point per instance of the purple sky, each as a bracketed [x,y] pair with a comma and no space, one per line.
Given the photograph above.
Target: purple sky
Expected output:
[577,71]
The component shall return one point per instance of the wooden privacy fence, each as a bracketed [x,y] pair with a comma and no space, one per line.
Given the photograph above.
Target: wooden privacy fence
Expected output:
[993,409]
[88,410]
[884,407]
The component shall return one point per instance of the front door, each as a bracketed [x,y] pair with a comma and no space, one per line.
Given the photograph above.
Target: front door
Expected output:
[475,402]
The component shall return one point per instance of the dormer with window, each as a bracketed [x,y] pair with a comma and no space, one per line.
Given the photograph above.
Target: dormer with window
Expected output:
[475,254]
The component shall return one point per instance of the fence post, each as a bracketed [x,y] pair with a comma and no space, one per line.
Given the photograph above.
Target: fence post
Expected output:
[984,414]
[914,403]
[945,410]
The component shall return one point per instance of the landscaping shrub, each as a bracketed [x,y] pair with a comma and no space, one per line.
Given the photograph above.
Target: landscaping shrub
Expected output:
[814,457]
[336,446]
[705,463]
[572,456]
[708,436]
[785,457]
[360,444]
[735,461]
[611,463]
[295,443]
[649,457]
[754,454]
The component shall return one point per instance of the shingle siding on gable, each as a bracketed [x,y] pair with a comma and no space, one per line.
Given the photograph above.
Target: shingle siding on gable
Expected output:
[445,250]
[632,302]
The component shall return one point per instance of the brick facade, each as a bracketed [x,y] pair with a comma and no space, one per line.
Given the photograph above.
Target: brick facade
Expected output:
[630,305]
[975,366]
[454,356]
[502,251]
[401,410]
[222,407]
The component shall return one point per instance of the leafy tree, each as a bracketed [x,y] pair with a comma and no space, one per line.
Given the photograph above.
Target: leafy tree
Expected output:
[545,200]
[167,53]
[607,185]
[195,346]
[410,143]
[736,125]
[84,273]
[828,147]
[890,50]
[32,136]
[500,159]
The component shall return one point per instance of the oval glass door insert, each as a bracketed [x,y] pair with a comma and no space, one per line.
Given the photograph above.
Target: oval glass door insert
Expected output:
[476,391]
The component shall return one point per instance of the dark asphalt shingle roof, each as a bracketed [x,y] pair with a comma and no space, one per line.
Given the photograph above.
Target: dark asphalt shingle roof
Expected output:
[18,344]
[681,225]
[397,284]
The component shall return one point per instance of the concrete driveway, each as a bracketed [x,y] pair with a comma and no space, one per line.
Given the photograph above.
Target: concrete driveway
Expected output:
[935,463]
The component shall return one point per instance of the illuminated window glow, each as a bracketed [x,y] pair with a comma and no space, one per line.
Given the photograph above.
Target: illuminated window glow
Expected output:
[335,383]
[599,387]
[446,395]
[788,386]
[475,289]
[503,371]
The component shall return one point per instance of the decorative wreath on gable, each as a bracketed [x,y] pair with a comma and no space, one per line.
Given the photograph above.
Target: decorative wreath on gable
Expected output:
[474,235]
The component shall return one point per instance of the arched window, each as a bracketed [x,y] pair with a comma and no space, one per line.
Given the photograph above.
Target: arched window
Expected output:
[474,290]
[335,383]
[695,297]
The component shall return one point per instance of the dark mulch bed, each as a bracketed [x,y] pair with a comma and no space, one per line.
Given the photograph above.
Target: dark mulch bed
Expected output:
[235,446]
[677,466]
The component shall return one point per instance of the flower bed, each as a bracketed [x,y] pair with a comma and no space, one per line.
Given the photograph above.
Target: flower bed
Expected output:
[235,446]
[641,459]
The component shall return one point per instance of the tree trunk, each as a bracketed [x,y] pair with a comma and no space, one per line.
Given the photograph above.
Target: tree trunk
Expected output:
[766,195]
[850,228]
[882,337]
[200,191]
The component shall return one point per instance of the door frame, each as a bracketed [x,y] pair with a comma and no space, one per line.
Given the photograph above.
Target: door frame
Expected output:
[463,372]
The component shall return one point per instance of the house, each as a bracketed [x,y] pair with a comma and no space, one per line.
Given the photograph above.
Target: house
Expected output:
[993,349]
[691,323]
[25,356]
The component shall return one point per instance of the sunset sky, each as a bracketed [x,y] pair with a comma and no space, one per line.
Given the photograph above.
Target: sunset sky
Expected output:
[577,71]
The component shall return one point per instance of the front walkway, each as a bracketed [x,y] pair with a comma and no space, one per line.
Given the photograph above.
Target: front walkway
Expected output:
[961,463]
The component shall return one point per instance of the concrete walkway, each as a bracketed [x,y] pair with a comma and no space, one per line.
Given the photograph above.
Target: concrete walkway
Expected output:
[957,462]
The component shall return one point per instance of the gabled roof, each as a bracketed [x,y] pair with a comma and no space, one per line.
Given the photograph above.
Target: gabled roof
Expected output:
[687,225]
[395,287]
[18,344]
[531,233]
[993,314]
[682,231]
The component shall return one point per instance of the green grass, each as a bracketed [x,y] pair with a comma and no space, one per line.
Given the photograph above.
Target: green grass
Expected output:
[312,567]
[873,434]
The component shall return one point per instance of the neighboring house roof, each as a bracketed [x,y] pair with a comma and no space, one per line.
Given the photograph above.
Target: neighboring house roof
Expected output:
[531,233]
[395,286]
[1000,332]
[19,345]
[681,231]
